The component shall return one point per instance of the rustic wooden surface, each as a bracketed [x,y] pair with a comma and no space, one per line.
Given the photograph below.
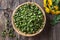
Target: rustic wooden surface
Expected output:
[7,7]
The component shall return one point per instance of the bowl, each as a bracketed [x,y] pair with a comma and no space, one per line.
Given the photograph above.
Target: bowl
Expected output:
[21,33]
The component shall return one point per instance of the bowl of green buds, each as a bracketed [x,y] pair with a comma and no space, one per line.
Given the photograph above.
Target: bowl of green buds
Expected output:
[28,19]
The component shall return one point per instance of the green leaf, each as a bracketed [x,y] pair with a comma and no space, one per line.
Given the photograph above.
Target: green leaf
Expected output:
[55,20]
[53,0]
[56,2]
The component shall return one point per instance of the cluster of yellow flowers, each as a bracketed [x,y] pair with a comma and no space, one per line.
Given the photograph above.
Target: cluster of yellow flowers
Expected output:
[47,6]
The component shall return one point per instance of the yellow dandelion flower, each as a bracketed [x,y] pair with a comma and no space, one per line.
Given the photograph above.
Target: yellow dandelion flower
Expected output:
[56,7]
[52,12]
[57,12]
[44,3]
[47,10]
[49,2]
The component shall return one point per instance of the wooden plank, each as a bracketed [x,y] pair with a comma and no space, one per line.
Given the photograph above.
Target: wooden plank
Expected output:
[9,3]
[15,3]
[57,31]
[2,23]
[40,2]
[29,0]
[31,38]
[50,28]
[12,4]
[22,1]
[3,4]
[54,33]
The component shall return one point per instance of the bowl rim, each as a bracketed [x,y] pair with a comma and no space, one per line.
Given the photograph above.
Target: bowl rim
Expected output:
[21,33]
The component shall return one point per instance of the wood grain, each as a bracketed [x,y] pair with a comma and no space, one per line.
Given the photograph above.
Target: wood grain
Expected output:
[3,4]
[49,32]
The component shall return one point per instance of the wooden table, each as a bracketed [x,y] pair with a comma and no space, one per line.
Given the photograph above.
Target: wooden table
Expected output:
[7,7]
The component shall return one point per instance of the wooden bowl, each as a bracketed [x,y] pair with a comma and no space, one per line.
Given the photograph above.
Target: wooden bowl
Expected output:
[18,31]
